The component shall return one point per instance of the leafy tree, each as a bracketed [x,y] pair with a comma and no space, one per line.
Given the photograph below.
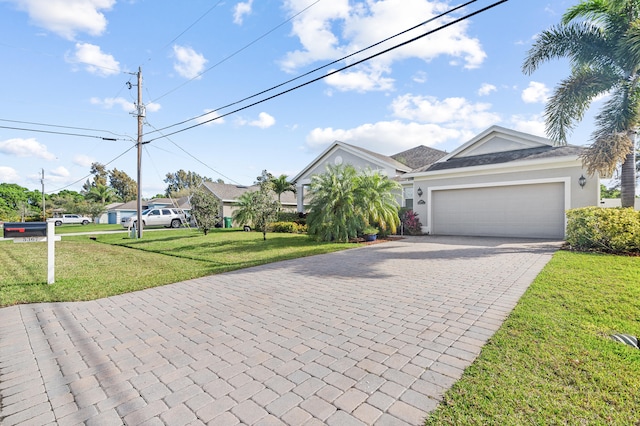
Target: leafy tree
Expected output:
[89,208]
[19,203]
[100,173]
[205,208]
[181,180]
[281,185]
[344,202]
[265,180]
[601,39]
[613,192]
[258,209]
[123,185]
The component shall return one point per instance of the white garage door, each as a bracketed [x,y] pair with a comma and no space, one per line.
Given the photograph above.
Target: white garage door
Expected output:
[534,210]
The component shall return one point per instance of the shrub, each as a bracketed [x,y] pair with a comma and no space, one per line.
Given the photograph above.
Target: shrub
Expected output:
[613,230]
[299,218]
[288,227]
[410,222]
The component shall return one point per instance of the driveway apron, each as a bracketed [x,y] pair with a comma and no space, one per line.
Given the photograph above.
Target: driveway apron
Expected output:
[373,335]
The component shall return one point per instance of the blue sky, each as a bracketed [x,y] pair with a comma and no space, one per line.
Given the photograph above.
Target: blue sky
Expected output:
[67,63]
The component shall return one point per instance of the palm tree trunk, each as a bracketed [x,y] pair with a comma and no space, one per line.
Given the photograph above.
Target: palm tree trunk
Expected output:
[628,179]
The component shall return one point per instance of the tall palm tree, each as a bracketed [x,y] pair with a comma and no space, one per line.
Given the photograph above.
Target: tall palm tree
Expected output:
[281,185]
[101,193]
[601,38]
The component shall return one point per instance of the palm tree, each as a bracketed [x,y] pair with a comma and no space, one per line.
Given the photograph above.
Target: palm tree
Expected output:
[332,213]
[101,193]
[245,213]
[378,202]
[601,38]
[280,185]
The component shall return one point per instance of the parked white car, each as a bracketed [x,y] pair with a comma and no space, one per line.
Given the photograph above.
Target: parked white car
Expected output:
[170,218]
[72,218]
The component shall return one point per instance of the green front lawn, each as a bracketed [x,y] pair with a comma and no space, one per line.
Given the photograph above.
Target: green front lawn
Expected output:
[553,362]
[115,264]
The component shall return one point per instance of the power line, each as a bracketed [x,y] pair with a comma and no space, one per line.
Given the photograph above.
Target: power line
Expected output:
[235,53]
[89,175]
[59,126]
[63,133]
[323,66]
[196,158]
[335,71]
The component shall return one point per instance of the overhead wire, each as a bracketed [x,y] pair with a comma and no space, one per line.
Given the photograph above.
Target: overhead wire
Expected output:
[89,175]
[51,132]
[484,9]
[196,158]
[237,52]
[58,126]
[323,66]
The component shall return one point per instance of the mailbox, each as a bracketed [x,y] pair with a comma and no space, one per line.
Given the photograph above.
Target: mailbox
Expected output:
[25,229]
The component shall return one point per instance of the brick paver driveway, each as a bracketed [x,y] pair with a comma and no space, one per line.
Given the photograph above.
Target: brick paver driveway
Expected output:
[373,335]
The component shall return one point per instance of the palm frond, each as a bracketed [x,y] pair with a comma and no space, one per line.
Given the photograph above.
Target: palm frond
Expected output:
[606,153]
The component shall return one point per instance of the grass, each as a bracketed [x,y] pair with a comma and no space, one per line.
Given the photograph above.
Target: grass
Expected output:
[553,361]
[115,264]
[91,227]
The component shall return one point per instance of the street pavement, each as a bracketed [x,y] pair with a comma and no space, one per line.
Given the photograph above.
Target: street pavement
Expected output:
[373,335]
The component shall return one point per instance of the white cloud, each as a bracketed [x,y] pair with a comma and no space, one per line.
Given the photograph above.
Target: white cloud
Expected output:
[241,10]
[109,103]
[533,124]
[360,81]
[68,17]
[210,118]
[8,174]
[95,61]
[26,148]
[453,112]
[383,137]
[82,160]
[264,121]
[486,89]
[335,29]
[189,64]
[60,172]
[535,93]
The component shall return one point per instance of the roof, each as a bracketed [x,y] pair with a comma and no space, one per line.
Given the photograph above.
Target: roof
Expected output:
[504,157]
[230,193]
[390,160]
[418,157]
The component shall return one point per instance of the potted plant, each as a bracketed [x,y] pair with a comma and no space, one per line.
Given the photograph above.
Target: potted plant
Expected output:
[370,233]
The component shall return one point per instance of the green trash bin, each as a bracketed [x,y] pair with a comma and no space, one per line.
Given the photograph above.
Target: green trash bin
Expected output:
[227,222]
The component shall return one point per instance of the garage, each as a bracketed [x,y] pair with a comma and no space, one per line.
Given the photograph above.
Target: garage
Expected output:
[533,210]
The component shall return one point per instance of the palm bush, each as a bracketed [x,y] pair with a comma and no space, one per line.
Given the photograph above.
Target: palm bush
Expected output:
[344,202]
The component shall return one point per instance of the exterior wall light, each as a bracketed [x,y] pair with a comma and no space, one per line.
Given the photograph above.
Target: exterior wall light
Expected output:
[582,181]
[419,192]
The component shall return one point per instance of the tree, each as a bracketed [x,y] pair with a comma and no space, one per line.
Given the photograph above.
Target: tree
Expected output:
[89,208]
[205,208]
[281,185]
[181,180]
[344,202]
[258,209]
[123,185]
[99,172]
[601,38]
[100,193]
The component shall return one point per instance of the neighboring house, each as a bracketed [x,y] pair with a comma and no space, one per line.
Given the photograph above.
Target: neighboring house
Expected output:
[342,153]
[228,196]
[503,183]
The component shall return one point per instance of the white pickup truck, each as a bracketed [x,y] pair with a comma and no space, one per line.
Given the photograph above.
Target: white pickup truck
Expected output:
[72,218]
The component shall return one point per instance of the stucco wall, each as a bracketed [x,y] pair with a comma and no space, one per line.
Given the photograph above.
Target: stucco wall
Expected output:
[577,196]
[345,158]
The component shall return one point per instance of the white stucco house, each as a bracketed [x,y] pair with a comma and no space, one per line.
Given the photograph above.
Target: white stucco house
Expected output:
[501,183]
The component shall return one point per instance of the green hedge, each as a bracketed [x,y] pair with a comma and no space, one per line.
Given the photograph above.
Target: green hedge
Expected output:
[288,227]
[614,230]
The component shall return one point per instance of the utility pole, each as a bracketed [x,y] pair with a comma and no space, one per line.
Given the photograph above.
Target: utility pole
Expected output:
[44,211]
[140,114]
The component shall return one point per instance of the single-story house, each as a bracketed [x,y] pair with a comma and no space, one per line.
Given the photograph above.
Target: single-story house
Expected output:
[394,166]
[229,194]
[117,212]
[501,183]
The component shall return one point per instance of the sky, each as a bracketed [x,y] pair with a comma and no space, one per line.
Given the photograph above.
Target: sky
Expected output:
[69,83]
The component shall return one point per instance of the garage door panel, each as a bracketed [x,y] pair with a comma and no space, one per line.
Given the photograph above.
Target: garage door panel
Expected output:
[534,210]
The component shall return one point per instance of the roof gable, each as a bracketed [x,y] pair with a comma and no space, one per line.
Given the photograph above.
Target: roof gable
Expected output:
[420,156]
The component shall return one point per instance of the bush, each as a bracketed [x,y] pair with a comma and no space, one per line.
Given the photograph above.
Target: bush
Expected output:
[410,222]
[613,230]
[288,227]
[299,218]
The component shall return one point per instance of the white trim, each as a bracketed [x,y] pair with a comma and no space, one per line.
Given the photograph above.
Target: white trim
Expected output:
[565,180]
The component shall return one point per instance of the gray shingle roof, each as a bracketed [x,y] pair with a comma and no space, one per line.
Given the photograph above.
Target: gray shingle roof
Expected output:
[228,192]
[420,156]
[505,157]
